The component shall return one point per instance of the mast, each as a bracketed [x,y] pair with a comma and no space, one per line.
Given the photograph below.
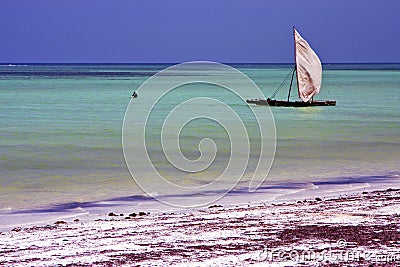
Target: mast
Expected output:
[295,60]
[290,87]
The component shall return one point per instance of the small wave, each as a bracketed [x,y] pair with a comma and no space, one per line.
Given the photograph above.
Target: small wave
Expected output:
[13,65]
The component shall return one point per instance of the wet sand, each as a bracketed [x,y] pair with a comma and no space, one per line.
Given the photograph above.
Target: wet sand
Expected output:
[360,229]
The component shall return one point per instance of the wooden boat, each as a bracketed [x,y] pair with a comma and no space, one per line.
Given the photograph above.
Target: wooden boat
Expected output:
[308,71]
[284,103]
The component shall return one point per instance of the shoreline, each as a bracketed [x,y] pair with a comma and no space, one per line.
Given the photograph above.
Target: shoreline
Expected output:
[275,192]
[272,234]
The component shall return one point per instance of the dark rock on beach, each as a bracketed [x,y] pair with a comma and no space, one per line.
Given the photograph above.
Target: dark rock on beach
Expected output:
[60,222]
[215,206]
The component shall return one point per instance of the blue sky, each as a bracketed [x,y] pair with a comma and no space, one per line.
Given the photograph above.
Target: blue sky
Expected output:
[185,30]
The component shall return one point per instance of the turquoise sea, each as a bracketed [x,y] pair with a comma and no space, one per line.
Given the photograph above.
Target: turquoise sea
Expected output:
[61,126]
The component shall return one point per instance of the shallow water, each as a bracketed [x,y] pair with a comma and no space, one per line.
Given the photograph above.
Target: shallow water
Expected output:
[60,130]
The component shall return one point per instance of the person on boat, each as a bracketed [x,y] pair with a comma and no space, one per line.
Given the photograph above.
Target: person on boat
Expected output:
[134,95]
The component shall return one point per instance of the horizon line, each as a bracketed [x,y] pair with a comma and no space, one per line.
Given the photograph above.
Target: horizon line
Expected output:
[174,63]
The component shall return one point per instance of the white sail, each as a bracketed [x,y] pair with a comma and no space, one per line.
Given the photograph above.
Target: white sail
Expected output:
[309,69]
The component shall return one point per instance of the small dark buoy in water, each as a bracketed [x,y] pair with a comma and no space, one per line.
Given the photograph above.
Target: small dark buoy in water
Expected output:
[134,95]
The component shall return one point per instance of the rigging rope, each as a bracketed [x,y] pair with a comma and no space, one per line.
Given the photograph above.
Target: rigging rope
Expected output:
[283,83]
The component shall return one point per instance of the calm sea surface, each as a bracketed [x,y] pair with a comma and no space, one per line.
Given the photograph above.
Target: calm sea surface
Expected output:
[61,125]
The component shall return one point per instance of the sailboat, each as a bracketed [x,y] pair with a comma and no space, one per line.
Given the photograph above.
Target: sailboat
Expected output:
[308,71]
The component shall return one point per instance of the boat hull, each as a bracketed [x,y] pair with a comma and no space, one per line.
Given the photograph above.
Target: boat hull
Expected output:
[282,103]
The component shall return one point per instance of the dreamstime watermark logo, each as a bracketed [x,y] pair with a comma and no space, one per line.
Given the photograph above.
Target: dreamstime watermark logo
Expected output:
[189,137]
[338,252]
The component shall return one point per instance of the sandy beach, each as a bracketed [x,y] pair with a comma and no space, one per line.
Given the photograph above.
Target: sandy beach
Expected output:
[360,229]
